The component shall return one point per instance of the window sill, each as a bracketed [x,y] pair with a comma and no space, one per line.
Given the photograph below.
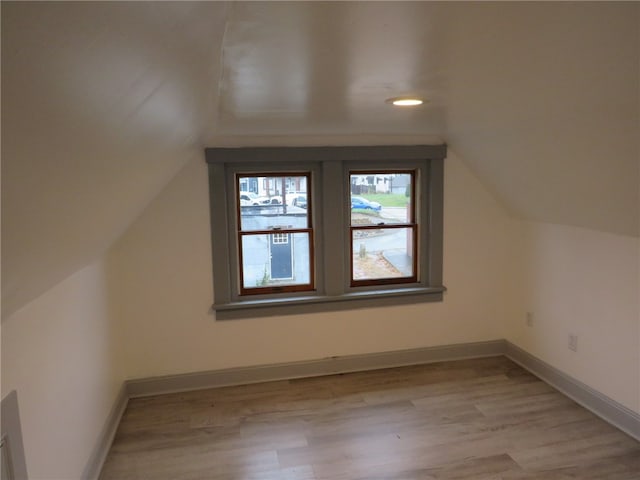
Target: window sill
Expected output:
[325,303]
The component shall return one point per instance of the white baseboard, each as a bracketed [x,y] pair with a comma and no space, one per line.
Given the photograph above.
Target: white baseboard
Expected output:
[105,439]
[606,408]
[311,368]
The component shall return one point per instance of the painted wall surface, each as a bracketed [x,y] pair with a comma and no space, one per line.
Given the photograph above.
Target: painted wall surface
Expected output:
[165,290]
[583,282]
[60,354]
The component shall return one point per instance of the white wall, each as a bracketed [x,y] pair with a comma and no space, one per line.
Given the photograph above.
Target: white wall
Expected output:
[165,290]
[583,282]
[145,310]
[60,353]
[496,268]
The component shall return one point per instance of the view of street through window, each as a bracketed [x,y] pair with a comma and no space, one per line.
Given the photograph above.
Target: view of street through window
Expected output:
[382,226]
[276,241]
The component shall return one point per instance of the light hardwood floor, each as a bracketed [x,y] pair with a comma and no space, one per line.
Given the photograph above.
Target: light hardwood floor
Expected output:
[482,419]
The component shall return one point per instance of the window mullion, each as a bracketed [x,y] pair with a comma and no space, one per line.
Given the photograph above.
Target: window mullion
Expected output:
[332,240]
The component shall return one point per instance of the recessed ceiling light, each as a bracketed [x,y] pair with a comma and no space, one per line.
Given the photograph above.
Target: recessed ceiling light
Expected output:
[405,101]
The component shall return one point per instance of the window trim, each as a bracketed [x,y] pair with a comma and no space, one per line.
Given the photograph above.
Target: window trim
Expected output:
[328,166]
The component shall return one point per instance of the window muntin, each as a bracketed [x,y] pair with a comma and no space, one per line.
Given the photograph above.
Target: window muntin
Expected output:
[275,234]
[383,231]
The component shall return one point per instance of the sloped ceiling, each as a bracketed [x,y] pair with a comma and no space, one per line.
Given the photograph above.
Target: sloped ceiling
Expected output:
[102,103]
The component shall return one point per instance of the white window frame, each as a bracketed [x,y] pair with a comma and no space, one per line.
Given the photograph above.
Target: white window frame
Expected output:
[329,167]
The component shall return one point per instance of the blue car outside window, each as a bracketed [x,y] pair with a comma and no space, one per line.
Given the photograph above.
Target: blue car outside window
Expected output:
[364,204]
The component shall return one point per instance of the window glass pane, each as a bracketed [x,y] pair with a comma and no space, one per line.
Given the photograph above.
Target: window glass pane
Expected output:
[380,197]
[273,202]
[382,253]
[277,259]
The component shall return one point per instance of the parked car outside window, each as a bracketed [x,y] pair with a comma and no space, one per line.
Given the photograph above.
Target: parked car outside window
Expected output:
[249,198]
[364,204]
[273,200]
[297,200]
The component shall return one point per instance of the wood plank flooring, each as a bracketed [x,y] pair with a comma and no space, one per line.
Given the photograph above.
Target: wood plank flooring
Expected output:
[482,419]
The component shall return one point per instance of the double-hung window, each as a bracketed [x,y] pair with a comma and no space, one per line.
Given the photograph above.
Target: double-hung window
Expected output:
[383,240]
[275,234]
[298,230]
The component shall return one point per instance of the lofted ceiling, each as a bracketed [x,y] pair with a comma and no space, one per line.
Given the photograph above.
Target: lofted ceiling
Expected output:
[104,102]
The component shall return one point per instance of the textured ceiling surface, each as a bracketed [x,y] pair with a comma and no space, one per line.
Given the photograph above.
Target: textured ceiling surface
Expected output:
[103,102]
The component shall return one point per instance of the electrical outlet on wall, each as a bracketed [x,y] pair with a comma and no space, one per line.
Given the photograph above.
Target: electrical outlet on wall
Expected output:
[529,319]
[573,342]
